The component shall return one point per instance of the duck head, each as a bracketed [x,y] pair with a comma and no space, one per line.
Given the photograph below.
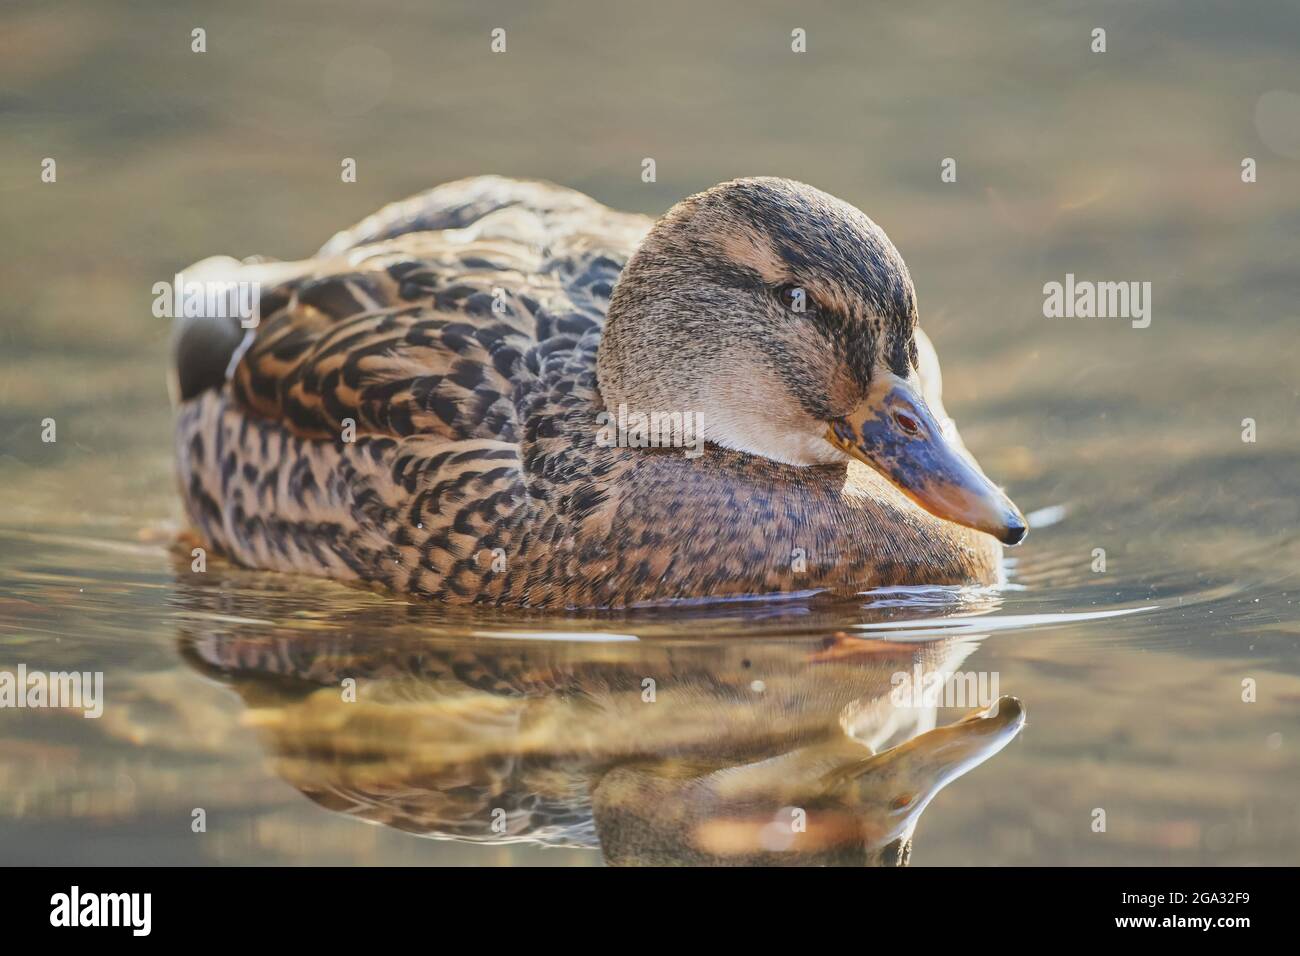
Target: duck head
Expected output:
[787,320]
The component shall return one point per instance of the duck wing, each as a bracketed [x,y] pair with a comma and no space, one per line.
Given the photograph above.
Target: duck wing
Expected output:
[428,345]
[421,340]
[418,319]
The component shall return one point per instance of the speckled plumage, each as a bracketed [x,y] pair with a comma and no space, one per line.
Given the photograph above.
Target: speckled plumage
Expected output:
[458,332]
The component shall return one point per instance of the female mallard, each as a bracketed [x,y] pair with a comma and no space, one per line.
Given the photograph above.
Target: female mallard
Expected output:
[449,399]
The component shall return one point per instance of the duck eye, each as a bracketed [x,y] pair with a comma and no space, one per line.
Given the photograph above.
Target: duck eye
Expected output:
[796,298]
[901,802]
[907,423]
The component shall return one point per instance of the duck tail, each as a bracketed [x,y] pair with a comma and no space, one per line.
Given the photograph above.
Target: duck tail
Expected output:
[203,344]
[217,318]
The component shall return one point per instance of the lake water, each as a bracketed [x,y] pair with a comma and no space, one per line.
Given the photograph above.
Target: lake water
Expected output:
[1150,629]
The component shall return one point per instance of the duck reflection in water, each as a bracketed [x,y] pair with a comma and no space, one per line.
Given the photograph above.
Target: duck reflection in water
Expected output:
[788,751]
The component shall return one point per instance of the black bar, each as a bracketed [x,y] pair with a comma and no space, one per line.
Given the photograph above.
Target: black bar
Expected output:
[302,905]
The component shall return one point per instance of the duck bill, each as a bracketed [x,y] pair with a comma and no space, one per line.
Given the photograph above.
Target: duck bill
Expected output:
[895,433]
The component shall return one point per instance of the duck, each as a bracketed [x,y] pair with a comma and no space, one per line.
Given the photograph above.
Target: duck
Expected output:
[449,400]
